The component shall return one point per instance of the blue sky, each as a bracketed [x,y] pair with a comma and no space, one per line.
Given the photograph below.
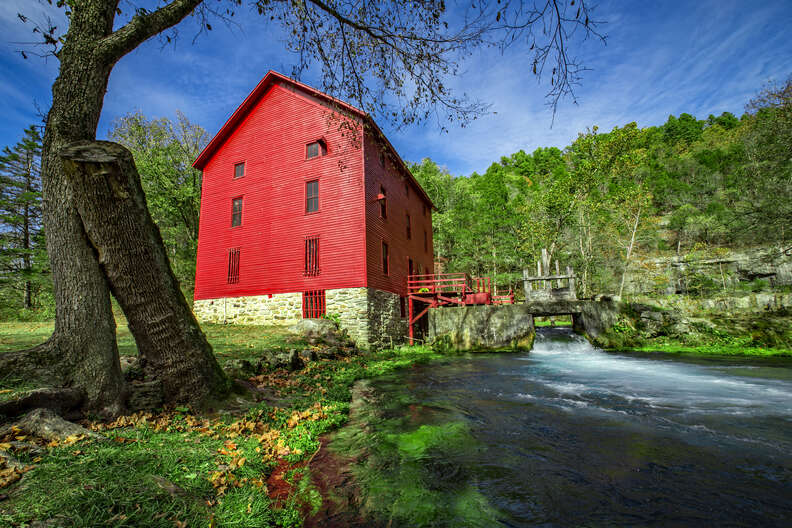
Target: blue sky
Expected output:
[661,58]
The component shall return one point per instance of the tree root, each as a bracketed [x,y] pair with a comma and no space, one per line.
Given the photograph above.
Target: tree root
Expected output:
[61,401]
[77,384]
[32,364]
[43,423]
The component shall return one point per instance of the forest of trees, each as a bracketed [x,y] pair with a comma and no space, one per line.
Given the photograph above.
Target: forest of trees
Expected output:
[689,184]
[24,282]
[609,196]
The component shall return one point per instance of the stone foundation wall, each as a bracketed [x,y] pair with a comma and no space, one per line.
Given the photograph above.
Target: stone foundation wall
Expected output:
[386,326]
[279,309]
[371,317]
[351,304]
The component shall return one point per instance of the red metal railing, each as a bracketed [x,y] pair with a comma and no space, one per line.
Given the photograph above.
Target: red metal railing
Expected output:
[503,299]
[470,291]
[458,283]
[446,289]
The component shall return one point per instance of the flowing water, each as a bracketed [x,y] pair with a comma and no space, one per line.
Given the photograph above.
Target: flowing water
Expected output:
[569,435]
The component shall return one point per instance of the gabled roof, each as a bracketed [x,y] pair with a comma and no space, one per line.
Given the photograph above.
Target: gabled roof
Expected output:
[261,88]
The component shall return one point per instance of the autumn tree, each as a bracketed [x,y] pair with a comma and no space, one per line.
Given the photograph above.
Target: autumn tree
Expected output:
[390,58]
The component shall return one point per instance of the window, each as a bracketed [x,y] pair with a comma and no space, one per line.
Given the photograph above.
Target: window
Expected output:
[312,196]
[385,258]
[383,200]
[409,227]
[236,212]
[315,149]
[426,242]
[313,304]
[233,265]
[239,170]
[311,256]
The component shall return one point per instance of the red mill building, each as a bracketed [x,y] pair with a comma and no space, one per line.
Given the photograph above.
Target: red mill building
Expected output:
[306,210]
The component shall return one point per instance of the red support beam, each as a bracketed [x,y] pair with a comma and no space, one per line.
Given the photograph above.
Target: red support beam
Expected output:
[410,319]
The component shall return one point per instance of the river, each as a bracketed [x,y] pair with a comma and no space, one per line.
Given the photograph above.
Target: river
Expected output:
[569,435]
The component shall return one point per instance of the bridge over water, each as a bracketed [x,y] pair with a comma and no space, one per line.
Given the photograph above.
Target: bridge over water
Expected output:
[466,312]
[492,327]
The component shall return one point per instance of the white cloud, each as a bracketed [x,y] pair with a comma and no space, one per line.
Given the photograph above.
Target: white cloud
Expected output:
[659,60]
[655,64]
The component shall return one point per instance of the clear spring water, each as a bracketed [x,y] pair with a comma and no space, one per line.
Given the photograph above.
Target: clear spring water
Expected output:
[568,435]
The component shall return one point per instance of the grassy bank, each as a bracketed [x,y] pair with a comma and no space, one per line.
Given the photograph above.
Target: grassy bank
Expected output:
[245,467]
[748,334]
[713,350]
[229,341]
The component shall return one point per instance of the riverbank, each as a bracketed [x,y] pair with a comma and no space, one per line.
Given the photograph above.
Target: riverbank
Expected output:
[244,465]
[691,327]
[715,350]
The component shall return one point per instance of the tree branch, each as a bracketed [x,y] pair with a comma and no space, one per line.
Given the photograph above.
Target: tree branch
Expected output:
[143,26]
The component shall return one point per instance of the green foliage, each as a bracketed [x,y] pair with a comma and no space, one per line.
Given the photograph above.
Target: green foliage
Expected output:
[609,196]
[336,318]
[763,204]
[24,281]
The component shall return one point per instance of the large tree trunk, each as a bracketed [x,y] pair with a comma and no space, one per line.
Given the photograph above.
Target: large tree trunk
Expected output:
[82,352]
[109,197]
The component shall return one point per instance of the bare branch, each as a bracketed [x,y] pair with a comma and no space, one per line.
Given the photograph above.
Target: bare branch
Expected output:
[143,26]
[393,59]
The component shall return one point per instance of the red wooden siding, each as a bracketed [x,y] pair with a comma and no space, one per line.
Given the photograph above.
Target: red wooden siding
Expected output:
[271,140]
[402,200]
[270,133]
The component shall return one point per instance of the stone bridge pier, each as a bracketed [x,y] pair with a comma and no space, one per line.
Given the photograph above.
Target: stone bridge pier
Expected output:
[511,326]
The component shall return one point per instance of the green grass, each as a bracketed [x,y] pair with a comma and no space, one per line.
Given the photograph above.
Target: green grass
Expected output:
[539,323]
[712,350]
[173,468]
[229,341]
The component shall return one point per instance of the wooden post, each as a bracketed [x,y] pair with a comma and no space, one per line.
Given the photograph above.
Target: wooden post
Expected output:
[546,267]
[409,317]
[571,274]
[558,272]
[526,285]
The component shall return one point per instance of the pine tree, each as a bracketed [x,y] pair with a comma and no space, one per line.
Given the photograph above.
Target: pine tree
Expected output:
[22,252]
